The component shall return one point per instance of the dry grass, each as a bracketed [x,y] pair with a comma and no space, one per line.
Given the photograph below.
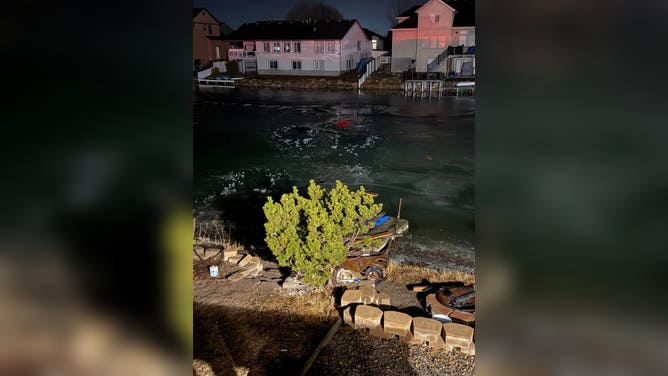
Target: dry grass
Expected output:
[319,303]
[407,274]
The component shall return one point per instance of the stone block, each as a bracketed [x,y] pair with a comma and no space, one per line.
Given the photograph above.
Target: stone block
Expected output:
[229,253]
[470,350]
[245,259]
[348,314]
[350,296]
[382,299]
[465,317]
[368,316]
[436,307]
[458,335]
[235,259]
[397,323]
[427,330]
[368,294]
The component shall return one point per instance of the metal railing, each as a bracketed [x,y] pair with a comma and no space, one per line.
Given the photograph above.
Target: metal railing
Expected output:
[234,53]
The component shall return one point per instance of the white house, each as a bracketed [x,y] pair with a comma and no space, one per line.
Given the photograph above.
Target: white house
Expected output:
[325,48]
[438,36]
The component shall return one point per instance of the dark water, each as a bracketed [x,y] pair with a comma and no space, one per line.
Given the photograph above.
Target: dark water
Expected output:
[250,144]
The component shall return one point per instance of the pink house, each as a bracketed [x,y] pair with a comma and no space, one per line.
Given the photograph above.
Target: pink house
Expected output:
[208,42]
[438,36]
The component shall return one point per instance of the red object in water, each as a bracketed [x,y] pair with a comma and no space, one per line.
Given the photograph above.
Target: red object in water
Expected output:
[342,123]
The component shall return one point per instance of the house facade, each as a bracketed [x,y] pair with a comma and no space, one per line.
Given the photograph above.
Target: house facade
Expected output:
[325,48]
[208,42]
[435,37]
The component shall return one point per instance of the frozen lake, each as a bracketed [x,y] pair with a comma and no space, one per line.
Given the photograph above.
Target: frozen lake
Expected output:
[249,144]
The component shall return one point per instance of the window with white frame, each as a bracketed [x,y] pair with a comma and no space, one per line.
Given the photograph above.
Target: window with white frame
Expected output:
[331,47]
[297,47]
[319,47]
[296,64]
[374,44]
[434,41]
[277,48]
[265,47]
[434,17]
[273,64]
[286,47]
[318,64]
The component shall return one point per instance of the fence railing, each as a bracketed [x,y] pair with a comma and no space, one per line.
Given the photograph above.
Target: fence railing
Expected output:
[371,67]
[234,53]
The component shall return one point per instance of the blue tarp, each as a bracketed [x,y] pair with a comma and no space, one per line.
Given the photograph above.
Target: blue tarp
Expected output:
[381,220]
[360,67]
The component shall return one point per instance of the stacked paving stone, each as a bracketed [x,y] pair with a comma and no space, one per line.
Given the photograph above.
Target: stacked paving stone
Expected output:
[365,308]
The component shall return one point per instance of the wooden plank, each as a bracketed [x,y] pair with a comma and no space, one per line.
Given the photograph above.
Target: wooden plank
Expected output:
[323,343]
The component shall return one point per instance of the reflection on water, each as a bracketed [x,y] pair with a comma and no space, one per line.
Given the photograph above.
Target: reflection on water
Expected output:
[250,144]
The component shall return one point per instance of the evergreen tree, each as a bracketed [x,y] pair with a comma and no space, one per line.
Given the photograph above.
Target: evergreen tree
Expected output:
[309,234]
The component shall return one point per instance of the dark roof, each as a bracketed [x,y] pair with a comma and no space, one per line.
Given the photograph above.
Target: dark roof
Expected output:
[225,29]
[410,11]
[369,33]
[464,15]
[269,30]
[410,23]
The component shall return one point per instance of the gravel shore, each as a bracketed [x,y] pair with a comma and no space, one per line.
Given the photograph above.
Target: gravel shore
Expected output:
[355,352]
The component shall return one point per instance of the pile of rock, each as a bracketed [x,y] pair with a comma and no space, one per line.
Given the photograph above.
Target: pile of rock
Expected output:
[367,309]
[250,267]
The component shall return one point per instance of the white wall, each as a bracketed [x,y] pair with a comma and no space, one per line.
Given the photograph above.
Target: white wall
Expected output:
[307,56]
[428,32]
[349,47]
[403,48]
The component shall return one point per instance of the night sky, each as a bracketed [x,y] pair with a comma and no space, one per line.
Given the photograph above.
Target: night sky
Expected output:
[372,14]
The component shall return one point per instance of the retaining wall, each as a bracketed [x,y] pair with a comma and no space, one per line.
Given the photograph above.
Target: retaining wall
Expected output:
[367,309]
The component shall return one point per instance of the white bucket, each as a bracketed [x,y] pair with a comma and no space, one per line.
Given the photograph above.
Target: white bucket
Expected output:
[213,271]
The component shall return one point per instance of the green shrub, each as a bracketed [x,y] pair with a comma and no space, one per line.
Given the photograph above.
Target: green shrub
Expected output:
[215,71]
[308,233]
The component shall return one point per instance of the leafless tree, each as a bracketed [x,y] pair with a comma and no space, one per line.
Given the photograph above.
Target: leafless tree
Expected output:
[315,11]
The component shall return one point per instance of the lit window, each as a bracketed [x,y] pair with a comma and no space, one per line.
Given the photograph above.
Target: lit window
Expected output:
[286,47]
[265,47]
[277,47]
[319,47]
[273,64]
[331,47]
[434,18]
[374,44]
[441,41]
[296,64]
[297,48]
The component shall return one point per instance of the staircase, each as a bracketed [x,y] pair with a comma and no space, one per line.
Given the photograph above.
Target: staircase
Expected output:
[442,56]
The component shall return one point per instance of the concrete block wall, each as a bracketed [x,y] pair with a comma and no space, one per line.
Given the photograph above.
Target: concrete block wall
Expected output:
[360,309]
